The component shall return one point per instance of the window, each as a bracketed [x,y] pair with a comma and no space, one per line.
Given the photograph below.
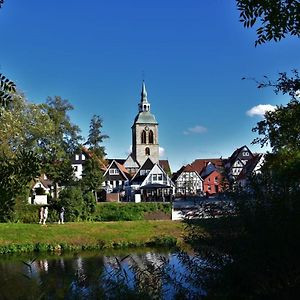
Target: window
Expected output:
[75,168]
[76,157]
[143,137]
[159,177]
[147,151]
[82,156]
[151,140]
[246,153]
[154,177]
[113,172]
[142,172]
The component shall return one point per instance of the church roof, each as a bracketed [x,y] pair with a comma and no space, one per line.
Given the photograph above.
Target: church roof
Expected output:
[145,117]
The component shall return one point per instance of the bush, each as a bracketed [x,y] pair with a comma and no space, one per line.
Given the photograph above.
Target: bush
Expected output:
[127,211]
[72,200]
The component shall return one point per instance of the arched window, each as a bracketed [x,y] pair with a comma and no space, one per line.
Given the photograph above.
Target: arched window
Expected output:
[151,140]
[147,151]
[143,137]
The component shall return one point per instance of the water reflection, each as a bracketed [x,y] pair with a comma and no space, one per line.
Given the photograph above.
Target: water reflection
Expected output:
[92,275]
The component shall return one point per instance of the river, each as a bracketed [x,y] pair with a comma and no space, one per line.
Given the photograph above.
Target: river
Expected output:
[131,274]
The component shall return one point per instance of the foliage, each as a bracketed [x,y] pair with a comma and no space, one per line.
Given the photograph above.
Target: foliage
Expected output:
[128,211]
[277,18]
[72,200]
[7,87]
[281,128]
[90,205]
[15,175]
[96,138]
[92,175]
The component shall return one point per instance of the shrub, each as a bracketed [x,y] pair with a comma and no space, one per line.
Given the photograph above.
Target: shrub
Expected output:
[127,211]
[72,200]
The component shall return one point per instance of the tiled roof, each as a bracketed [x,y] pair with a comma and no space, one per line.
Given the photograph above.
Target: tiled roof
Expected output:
[200,164]
[164,163]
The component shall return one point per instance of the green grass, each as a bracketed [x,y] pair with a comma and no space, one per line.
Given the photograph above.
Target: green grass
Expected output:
[17,237]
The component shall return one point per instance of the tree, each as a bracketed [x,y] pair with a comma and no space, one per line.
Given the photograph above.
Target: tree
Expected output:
[15,175]
[281,127]
[277,18]
[7,87]
[61,145]
[95,137]
[92,176]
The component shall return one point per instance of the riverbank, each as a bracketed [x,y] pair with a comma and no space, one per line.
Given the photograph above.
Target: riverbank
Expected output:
[17,237]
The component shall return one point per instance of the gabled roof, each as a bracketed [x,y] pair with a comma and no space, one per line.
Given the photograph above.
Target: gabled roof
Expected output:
[118,160]
[234,156]
[130,162]
[122,169]
[250,166]
[200,164]
[177,174]
[148,165]
[157,185]
[164,163]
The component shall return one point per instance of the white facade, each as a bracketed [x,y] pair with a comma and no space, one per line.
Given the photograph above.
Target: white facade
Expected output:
[189,183]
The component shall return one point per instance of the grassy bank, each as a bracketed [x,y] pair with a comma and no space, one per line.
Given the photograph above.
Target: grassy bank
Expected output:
[16,237]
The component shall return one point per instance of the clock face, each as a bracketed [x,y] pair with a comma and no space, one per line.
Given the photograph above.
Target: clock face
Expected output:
[146,128]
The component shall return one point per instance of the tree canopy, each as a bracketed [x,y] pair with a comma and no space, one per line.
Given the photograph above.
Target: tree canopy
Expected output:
[275,18]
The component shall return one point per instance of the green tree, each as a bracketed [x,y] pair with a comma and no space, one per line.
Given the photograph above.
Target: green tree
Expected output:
[72,200]
[276,18]
[61,145]
[15,176]
[92,176]
[96,138]
[7,87]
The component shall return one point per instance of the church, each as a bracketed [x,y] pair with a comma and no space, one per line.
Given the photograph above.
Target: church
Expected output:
[142,172]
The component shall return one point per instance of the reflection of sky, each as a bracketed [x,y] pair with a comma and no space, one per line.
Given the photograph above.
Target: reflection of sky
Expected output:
[84,275]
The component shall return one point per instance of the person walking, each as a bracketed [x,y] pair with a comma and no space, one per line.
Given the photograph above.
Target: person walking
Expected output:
[41,215]
[61,215]
[45,215]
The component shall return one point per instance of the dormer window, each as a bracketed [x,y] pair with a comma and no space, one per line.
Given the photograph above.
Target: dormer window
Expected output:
[82,156]
[246,153]
[76,157]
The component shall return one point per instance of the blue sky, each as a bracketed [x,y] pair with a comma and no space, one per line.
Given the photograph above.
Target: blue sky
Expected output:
[192,53]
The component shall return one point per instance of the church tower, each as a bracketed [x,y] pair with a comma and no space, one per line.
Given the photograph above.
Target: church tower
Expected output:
[145,132]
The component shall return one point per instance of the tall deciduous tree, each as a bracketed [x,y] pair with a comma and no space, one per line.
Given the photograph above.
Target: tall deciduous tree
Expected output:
[63,142]
[96,137]
[276,18]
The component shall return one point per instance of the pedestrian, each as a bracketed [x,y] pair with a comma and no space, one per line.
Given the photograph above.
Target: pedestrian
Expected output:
[45,215]
[61,215]
[41,215]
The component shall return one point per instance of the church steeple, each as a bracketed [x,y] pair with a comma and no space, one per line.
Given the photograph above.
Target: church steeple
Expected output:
[144,105]
[145,132]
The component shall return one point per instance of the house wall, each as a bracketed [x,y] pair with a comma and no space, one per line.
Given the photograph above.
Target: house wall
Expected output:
[189,183]
[213,183]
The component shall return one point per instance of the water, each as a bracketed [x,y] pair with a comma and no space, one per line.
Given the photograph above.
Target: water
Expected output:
[144,273]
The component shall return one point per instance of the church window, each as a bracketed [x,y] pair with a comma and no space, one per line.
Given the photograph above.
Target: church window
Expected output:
[151,137]
[147,151]
[143,137]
